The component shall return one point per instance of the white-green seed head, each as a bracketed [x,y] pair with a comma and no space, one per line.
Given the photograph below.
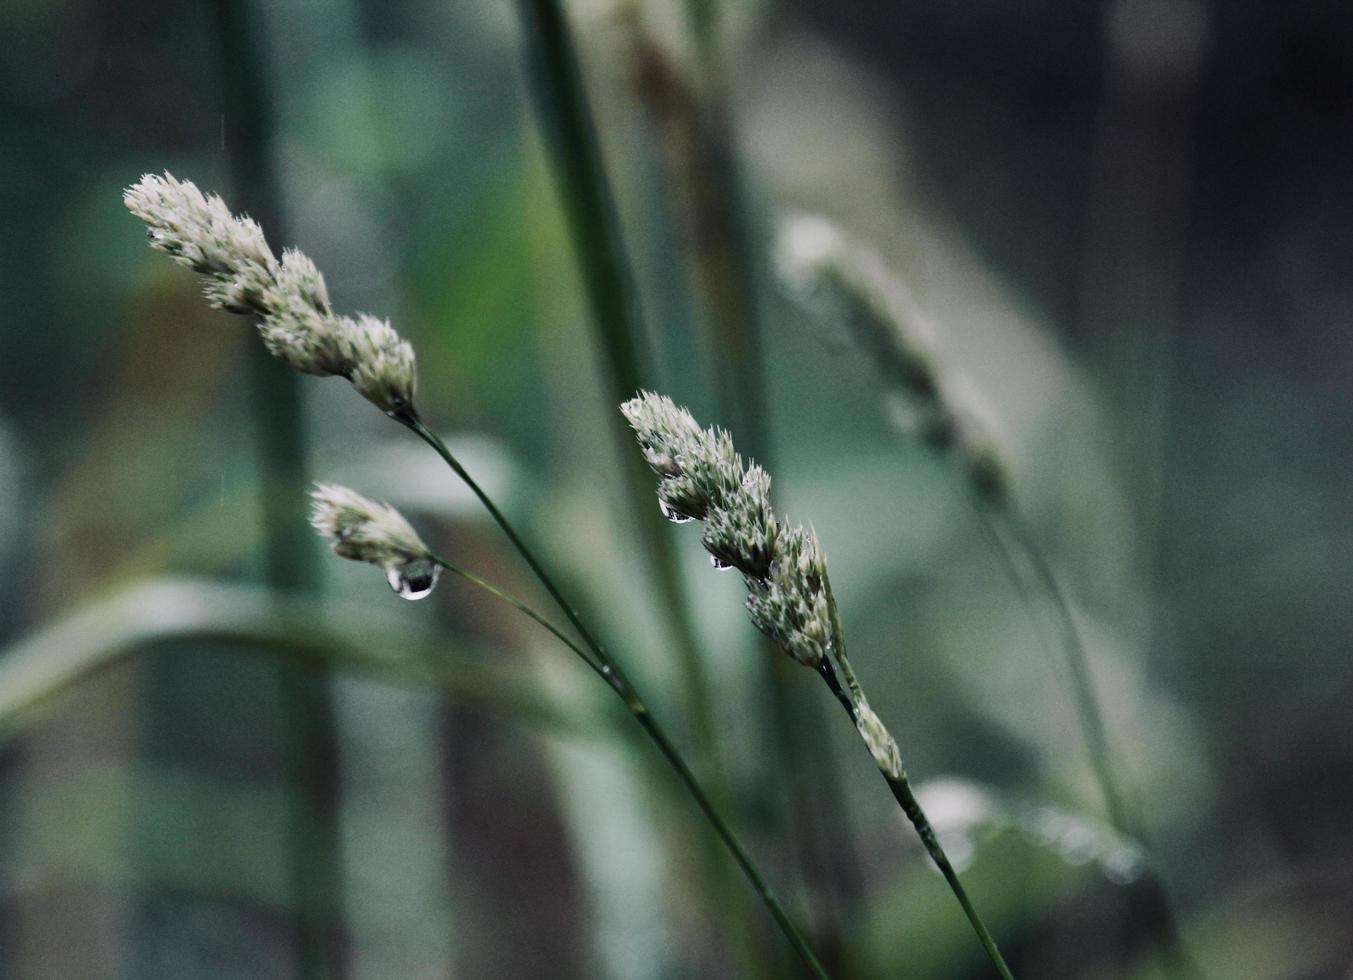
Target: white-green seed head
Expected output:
[198,231]
[699,468]
[300,326]
[665,431]
[977,444]
[365,530]
[296,319]
[703,477]
[881,744]
[742,530]
[792,606]
[820,265]
[383,364]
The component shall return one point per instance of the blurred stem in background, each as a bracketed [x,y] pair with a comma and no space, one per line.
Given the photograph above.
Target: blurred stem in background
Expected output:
[565,118]
[314,845]
[695,139]
[1021,556]
[1136,231]
[945,412]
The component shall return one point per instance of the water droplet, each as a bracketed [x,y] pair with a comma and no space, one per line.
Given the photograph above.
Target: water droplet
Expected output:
[672,514]
[414,579]
[719,563]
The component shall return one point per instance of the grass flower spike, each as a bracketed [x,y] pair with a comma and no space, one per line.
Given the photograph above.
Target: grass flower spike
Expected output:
[296,321]
[382,363]
[880,742]
[199,232]
[822,267]
[789,596]
[791,605]
[704,479]
[367,530]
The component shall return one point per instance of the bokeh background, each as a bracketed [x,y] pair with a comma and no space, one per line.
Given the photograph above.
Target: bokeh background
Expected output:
[228,754]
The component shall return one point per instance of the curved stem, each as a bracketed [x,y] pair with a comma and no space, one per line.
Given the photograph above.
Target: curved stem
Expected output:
[413,422]
[1014,541]
[851,697]
[610,671]
[520,606]
[1011,537]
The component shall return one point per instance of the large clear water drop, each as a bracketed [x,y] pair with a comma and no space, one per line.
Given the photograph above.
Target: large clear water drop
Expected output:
[415,579]
[672,514]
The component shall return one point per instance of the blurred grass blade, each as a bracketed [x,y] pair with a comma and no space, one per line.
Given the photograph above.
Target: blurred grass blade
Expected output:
[38,669]
[315,840]
[566,117]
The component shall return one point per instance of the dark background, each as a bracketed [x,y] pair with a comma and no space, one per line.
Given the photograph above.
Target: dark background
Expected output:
[1130,223]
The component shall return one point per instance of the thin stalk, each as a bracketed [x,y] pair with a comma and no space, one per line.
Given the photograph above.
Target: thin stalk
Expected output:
[571,138]
[313,844]
[594,226]
[1014,542]
[520,606]
[414,423]
[610,671]
[912,808]
[851,697]
[888,333]
[694,134]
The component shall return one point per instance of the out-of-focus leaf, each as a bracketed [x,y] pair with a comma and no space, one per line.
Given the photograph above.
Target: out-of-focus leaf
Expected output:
[36,670]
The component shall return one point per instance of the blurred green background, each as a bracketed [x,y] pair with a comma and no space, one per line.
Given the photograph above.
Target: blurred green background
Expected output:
[1130,223]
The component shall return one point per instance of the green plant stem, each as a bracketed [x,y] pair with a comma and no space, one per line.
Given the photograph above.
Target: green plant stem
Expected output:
[694,131]
[594,227]
[414,423]
[609,671]
[313,845]
[521,607]
[622,687]
[1014,543]
[901,789]
[850,697]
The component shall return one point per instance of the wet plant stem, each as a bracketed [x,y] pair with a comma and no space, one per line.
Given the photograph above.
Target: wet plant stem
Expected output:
[851,697]
[604,666]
